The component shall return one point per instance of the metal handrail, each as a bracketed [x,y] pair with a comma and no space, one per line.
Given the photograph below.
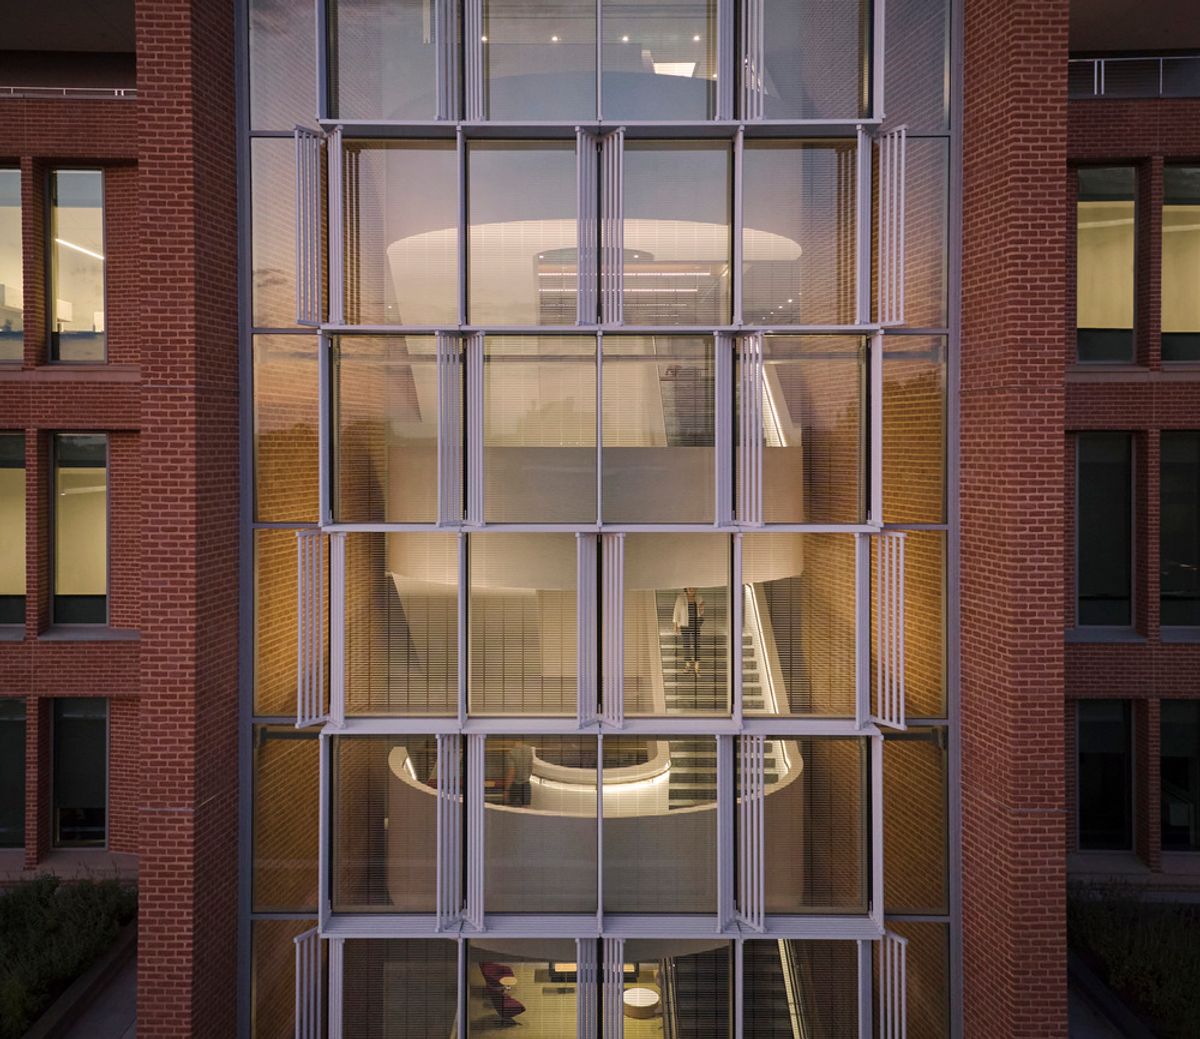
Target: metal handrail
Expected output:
[98,93]
[1156,83]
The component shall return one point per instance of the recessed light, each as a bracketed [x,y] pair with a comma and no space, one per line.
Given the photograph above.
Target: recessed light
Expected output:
[790,301]
[624,39]
[554,39]
[484,38]
[695,39]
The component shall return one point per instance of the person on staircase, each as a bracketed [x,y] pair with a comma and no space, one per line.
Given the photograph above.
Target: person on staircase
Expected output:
[689,615]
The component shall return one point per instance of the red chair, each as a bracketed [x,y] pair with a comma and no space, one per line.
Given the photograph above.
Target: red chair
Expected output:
[493,972]
[505,1006]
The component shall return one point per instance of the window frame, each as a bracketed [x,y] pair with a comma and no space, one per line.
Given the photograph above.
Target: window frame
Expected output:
[55,841]
[52,528]
[1097,632]
[18,361]
[52,336]
[1131,792]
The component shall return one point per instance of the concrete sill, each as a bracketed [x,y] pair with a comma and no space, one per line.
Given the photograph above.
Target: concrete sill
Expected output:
[88,633]
[12,633]
[1181,635]
[1099,634]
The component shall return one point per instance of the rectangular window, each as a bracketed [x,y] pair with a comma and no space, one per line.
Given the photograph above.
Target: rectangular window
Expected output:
[12,274]
[77,265]
[404,987]
[80,765]
[1180,775]
[813,982]
[1105,781]
[1104,529]
[1181,264]
[12,772]
[12,528]
[1105,263]
[80,528]
[1179,535]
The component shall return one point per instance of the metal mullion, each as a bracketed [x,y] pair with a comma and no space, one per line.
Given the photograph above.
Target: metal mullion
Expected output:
[600,832]
[875,389]
[321,39]
[337,257]
[463,228]
[737,625]
[875,745]
[473,408]
[336,976]
[723,412]
[862,632]
[473,797]
[862,219]
[463,984]
[599,360]
[726,60]
[902,223]
[325,430]
[464,620]
[337,629]
[586,624]
[878,58]
[883,596]
[599,84]
[726,803]
[324,848]
[739,210]
[473,59]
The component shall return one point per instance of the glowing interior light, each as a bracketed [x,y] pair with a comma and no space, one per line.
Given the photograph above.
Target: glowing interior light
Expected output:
[79,248]
[554,39]
[484,38]
[695,39]
[624,39]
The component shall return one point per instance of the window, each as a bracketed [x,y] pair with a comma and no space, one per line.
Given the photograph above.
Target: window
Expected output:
[1104,780]
[12,275]
[1179,531]
[1180,775]
[12,772]
[1105,264]
[12,528]
[80,765]
[1181,264]
[77,265]
[1104,529]
[80,528]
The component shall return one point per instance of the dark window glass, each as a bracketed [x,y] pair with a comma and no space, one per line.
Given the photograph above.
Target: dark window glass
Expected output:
[1104,263]
[1180,775]
[12,528]
[80,771]
[12,303]
[1179,537]
[12,773]
[1104,780]
[1104,522]
[77,265]
[80,528]
[1181,264]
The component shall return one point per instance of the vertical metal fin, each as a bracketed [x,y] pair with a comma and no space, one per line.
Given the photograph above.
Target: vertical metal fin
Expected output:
[613,628]
[309,1005]
[446,51]
[725,346]
[586,171]
[613,985]
[586,624]
[449,831]
[337,960]
[474,417]
[751,801]
[753,53]
[473,912]
[893,986]
[476,107]
[725,59]
[889,649]
[337,239]
[310,635]
[337,628]
[612,228]
[893,157]
[750,429]
[309,226]
[587,984]
[449,441]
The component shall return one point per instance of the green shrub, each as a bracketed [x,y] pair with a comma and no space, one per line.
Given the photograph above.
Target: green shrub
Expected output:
[50,933]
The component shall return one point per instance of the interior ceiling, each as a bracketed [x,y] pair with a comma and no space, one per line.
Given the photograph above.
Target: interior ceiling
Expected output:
[68,25]
[1139,26]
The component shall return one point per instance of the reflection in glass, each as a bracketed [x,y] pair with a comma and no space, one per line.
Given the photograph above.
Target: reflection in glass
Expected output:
[383,60]
[401,616]
[286,796]
[522,982]
[917,42]
[1179,536]
[12,275]
[283,89]
[77,264]
[12,772]
[539,59]
[688,981]
[80,766]
[385,455]
[927,971]
[660,61]
[401,227]
[1104,528]
[799,624]
[914,429]
[817,59]
[399,988]
[285,428]
[677,232]
[927,236]
[814,432]
[275,625]
[384,834]
[676,624]
[1104,263]
[1105,780]
[12,528]
[823,975]
[1180,774]
[924,622]
[660,825]
[523,629]
[915,822]
[798,243]
[524,237]
[273,231]
[80,528]
[658,429]
[540,823]
[539,429]
[1181,264]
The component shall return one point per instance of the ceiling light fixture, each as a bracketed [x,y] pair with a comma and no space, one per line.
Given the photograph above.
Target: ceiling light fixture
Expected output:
[624,39]
[79,248]
[695,39]
[554,39]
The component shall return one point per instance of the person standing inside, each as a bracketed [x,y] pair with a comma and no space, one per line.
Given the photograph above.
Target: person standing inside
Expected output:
[689,615]
[518,768]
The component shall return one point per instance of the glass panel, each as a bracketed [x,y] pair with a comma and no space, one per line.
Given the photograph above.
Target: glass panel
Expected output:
[817,59]
[531,983]
[12,274]
[927,976]
[80,762]
[1103,523]
[1105,783]
[12,528]
[677,624]
[660,60]
[799,240]
[401,227]
[1104,263]
[1180,775]
[77,264]
[285,428]
[523,626]
[283,90]
[1179,539]
[286,796]
[658,429]
[677,233]
[383,59]
[814,429]
[540,824]
[12,772]
[816,819]
[918,65]
[799,624]
[275,624]
[914,429]
[812,983]
[399,988]
[273,231]
[927,240]
[385,455]
[924,622]
[384,831]
[1181,264]
[80,529]
[660,825]
[539,59]
[539,429]
[524,235]
[401,624]
[915,822]
[686,982]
